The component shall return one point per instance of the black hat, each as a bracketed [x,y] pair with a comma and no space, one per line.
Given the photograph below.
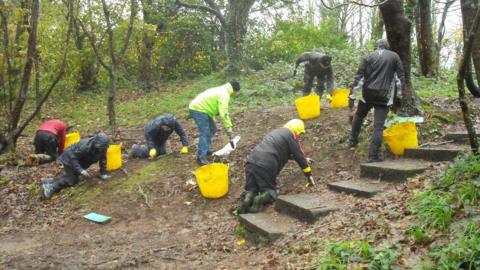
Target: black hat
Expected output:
[326,60]
[235,84]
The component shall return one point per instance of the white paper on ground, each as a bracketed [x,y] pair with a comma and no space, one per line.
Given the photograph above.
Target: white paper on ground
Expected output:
[227,149]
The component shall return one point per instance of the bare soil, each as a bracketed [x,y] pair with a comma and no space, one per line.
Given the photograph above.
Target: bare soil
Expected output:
[159,223]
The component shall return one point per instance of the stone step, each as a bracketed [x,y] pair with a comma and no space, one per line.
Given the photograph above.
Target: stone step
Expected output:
[393,170]
[265,224]
[459,136]
[307,207]
[362,188]
[435,153]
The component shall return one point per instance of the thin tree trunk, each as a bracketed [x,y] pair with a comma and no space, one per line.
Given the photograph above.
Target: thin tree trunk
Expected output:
[425,36]
[470,39]
[377,26]
[441,33]
[38,95]
[469,8]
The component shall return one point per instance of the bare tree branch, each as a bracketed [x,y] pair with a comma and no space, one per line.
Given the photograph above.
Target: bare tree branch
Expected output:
[352,2]
[60,74]
[133,13]
[216,13]
[91,38]
[27,70]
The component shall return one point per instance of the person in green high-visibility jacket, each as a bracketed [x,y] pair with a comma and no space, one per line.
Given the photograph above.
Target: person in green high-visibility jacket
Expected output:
[203,110]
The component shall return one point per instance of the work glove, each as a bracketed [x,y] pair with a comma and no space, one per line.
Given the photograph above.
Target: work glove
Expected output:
[105,176]
[85,174]
[351,103]
[310,182]
[184,150]
[329,97]
[152,153]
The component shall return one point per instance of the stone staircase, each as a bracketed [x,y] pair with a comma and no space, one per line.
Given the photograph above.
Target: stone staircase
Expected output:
[374,178]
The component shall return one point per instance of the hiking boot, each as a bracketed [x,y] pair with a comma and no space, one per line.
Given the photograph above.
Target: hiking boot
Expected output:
[246,202]
[47,188]
[210,153]
[259,201]
[202,161]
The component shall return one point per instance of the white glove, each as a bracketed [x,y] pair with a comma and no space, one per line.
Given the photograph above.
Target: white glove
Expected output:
[85,174]
[105,176]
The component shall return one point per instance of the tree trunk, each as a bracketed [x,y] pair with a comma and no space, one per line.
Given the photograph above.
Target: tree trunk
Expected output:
[469,7]
[145,69]
[425,42]
[377,26]
[112,86]
[235,29]
[470,38]
[441,34]
[398,29]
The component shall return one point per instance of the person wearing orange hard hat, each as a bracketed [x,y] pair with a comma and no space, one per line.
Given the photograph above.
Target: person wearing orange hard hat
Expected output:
[267,160]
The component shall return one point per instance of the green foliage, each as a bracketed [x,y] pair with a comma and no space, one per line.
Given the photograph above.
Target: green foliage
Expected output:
[291,38]
[419,235]
[444,85]
[461,253]
[356,255]
[34,189]
[432,208]
[240,231]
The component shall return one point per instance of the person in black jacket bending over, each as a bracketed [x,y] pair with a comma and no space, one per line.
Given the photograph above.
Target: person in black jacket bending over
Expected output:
[377,76]
[267,160]
[319,66]
[156,134]
[76,159]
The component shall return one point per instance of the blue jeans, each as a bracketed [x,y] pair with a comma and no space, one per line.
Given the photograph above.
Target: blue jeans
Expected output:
[207,128]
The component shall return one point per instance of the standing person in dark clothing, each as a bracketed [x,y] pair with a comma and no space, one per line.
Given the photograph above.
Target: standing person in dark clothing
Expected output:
[319,66]
[156,134]
[377,77]
[267,160]
[49,141]
[76,160]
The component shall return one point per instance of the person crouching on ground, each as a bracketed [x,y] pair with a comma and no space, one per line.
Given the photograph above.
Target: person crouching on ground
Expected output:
[76,159]
[49,142]
[157,132]
[204,108]
[266,161]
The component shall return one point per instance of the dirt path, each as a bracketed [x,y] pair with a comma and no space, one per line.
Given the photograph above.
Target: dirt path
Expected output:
[171,228]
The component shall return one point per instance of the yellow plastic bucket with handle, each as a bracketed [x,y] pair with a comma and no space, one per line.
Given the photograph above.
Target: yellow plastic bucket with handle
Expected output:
[401,136]
[308,107]
[114,157]
[339,98]
[212,180]
[71,138]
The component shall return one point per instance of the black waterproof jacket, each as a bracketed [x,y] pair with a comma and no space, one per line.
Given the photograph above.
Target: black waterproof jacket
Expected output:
[276,148]
[84,153]
[313,67]
[378,71]
[156,136]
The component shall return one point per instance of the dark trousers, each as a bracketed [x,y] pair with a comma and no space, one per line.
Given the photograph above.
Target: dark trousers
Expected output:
[46,143]
[379,115]
[308,81]
[259,180]
[67,179]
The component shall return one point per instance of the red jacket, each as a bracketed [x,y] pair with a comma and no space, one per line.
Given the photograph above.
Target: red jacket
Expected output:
[58,128]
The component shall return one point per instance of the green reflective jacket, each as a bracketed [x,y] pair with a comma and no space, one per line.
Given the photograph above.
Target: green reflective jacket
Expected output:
[214,101]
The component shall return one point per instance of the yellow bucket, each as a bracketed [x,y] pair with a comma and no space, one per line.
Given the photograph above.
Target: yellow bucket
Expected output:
[212,180]
[308,107]
[401,136]
[114,157]
[340,98]
[71,138]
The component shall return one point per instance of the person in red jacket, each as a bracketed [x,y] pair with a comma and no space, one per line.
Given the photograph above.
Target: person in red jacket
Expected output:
[50,140]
